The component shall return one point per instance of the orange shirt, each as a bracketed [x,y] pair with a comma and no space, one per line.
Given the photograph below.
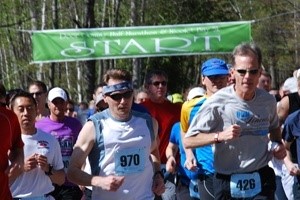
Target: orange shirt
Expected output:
[166,114]
[10,139]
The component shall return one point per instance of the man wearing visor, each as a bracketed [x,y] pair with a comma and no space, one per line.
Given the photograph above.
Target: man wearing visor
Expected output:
[121,146]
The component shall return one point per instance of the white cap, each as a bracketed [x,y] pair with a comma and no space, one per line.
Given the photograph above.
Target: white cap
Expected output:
[99,98]
[290,85]
[57,93]
[195,92]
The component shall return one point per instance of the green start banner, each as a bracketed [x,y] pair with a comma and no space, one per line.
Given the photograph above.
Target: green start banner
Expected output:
[136,42]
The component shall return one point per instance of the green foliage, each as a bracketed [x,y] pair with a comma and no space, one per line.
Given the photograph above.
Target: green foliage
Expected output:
[275,29]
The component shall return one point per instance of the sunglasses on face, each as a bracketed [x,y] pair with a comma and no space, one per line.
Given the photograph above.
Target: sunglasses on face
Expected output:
[250,71]
[70,109]
[157,83]
[120,96]
[37,94]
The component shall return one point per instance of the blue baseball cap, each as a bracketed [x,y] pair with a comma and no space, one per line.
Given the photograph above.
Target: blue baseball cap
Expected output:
[214,66]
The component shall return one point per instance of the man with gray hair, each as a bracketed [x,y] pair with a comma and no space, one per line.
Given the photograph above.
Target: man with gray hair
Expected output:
[240,121]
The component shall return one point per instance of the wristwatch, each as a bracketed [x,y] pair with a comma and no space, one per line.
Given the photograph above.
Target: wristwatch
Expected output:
[216,138]
[49,172]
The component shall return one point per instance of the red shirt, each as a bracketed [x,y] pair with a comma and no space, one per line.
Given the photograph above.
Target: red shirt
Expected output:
[166,114]
[10,139]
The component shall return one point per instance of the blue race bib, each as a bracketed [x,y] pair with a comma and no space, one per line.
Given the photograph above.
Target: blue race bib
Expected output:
[245,185]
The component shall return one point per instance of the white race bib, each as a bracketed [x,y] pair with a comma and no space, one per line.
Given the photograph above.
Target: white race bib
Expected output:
[129,161]
[245,185]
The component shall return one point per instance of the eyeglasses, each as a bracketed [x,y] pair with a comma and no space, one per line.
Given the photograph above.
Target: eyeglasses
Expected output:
[70,109]
[119,96]
[250,71]
[37,94]
[157,83]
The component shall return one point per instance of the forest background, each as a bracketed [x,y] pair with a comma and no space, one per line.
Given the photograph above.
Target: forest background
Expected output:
[275,29]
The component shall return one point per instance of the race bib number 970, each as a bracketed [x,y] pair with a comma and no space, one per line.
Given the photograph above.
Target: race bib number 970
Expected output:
[245,185]
[128,161]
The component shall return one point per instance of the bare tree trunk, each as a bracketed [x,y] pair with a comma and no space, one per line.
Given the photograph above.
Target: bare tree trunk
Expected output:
[142,12]
[7,64]
[2,61]
[55,26]
[116,12]
[6,67]
[68,77]
[112,14]
[76,20]
[90,76]
[102,63]
[296,33]
[104,7]
[13,53]
[33,16]
[79,82]
[142,61]
[39,73]
[135,61]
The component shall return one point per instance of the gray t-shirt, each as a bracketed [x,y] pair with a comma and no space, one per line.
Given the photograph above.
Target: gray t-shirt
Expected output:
[256,117]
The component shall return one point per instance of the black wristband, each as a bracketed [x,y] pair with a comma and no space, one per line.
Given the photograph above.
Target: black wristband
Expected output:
[160,173]
[49,172]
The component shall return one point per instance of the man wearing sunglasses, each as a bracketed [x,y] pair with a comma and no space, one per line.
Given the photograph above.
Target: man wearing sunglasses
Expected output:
[240,120]
[122,147]
[166,114]
[38,89]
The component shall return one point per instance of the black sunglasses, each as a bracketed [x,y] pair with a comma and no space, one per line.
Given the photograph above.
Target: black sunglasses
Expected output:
[157,83]
[37,93]
[70,109]
[250,71]
[120,96]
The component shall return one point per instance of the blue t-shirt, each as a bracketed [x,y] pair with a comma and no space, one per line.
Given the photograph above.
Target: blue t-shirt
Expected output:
[204,154]
[185,174]
[291,131]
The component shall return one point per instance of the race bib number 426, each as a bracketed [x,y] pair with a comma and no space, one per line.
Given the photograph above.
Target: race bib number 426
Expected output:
[245,185]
